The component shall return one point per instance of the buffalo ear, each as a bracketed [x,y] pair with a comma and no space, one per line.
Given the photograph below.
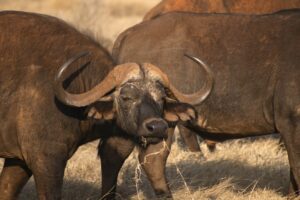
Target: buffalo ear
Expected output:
[176,111]
[101,110]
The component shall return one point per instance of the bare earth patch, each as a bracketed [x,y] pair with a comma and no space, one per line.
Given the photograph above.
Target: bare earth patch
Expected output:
[241,169]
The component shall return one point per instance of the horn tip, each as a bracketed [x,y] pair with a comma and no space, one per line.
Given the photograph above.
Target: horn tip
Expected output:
[187,55]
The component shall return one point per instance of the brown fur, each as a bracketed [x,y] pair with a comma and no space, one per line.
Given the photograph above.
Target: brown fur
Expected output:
[219,6]
[222,6]
[38,134]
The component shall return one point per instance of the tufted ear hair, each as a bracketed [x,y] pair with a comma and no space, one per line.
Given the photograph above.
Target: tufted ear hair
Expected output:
[179,112]
[102,110]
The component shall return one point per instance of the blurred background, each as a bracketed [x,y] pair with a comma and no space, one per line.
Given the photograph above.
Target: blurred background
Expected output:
[241,169]
[103,19]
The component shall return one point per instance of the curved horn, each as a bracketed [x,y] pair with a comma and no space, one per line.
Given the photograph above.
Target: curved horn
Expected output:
[199,96]
[194,98]
[115,77]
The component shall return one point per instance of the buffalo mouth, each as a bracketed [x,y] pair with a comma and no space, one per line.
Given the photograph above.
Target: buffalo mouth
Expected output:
[152,131]
[144,141]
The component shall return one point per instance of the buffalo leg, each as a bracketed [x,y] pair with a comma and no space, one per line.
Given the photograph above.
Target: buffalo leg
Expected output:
[294,160]
[48,170]
[292,142]
[287,121]
[14,176]
[153,160]
[288,124]
[189,138]
[113,152]
[211,145]
[293,187]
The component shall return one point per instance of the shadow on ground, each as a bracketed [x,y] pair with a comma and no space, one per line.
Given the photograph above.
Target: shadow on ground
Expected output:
[72,190]
[210,173]
[197,175]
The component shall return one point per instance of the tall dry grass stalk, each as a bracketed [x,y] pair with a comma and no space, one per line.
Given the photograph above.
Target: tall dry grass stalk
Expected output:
[240,169]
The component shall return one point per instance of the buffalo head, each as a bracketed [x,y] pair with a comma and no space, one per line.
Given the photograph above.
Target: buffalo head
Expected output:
[140,98]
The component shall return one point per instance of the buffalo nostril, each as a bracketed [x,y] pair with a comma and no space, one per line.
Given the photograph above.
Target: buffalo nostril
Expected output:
[150,127]
[156,126]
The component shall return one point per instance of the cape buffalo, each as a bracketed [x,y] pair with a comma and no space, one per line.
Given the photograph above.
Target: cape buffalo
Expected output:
[221,6]
[217,6]
[255,63]
[45,119]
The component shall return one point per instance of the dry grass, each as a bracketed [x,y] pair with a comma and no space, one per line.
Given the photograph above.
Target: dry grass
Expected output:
[240,169]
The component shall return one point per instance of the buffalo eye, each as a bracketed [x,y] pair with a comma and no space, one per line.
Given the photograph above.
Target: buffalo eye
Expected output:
[129,93]
[126,98]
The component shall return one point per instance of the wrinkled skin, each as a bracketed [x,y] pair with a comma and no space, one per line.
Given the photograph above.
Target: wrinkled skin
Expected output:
[39,133]
[136,104]
[221,6]
[255,61]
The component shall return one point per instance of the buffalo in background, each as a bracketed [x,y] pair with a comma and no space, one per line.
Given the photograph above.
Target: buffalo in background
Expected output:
[256,7]
[221,6]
